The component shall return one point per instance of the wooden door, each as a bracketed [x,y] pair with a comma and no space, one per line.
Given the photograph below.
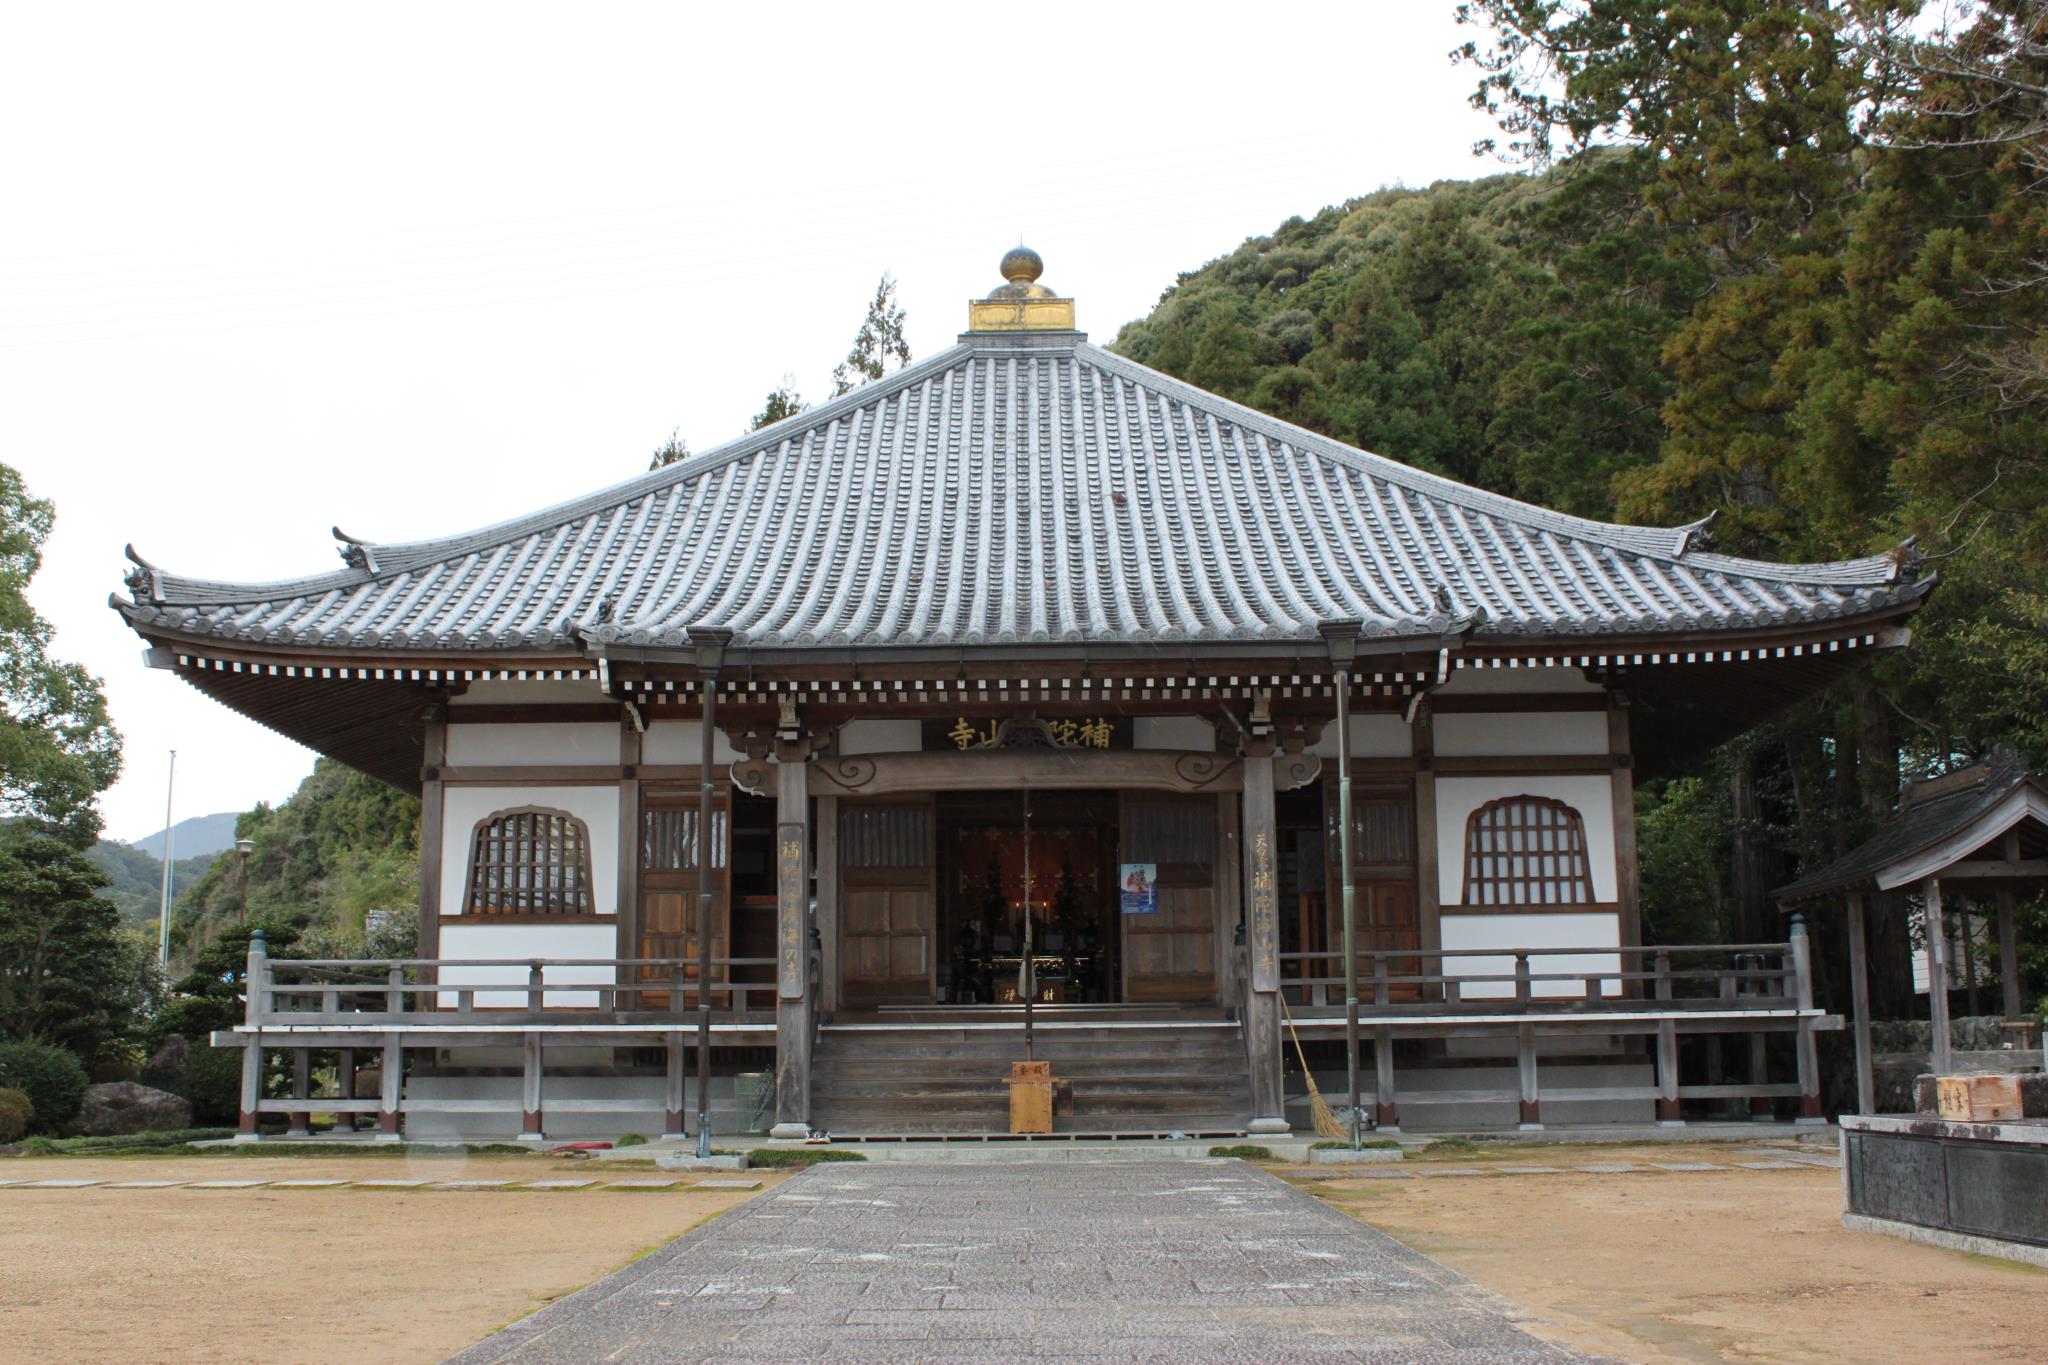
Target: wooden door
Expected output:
[888,917]
[1386,914]
[669,895]
[1170,954]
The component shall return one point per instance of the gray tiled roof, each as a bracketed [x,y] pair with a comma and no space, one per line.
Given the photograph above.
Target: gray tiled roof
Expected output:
[1019,488]
[1931,812]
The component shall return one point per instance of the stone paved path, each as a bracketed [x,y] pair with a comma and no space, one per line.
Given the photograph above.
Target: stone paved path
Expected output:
[1183,1262]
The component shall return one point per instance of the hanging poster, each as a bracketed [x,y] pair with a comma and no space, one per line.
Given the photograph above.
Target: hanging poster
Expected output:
[1139,888]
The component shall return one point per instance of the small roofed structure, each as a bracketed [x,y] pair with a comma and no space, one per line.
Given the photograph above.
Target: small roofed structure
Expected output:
[1984,826]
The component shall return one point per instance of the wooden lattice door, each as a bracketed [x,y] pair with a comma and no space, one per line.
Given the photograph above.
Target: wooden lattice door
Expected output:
[669,848]
[888,877]
[1386,917]
[1170,954]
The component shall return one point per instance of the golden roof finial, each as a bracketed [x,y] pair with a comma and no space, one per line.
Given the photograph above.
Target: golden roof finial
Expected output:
[1021,304]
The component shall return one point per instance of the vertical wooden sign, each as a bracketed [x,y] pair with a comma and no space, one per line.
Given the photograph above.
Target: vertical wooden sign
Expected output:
[792,901]
[1262,885]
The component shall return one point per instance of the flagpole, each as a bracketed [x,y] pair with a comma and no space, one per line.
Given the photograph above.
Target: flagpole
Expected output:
[163,921]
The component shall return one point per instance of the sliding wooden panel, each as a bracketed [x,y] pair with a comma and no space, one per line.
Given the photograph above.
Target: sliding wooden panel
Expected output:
[1171,953]
[888,902]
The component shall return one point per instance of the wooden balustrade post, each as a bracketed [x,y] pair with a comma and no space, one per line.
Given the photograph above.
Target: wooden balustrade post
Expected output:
[1524,991]
[1525,1066]
[1859,1000]
[300,1122]
[1808,1052]
[255,1006]
[531,1128]
[673,1092]
[391,1084]
[536,995]
[1937,974]
[345,1087]
[1668,1111]
[394,990]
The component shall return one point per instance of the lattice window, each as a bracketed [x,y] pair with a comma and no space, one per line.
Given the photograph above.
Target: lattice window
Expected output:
[529,861]
[668,838]
[1526,850]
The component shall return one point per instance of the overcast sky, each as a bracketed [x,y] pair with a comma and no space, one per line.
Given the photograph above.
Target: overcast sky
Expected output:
[413,269]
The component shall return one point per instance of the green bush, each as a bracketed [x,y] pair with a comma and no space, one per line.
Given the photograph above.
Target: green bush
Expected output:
[1451,1146]
[212,1080]
[631,1140]
[52,1077]
[1244,1151]
[15,1113]
[769,1158]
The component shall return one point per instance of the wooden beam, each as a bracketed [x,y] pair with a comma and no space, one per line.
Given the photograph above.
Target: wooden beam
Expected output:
[433,831]
[1627,882]
[1018,769]
[1985,869]
[628,868]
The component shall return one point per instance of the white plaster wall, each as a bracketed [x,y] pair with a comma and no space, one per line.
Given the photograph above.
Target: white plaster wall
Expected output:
[1173,732]
[1375,735]
[526,693]
[881,737]
[676,741]
[527,745]
[498,938]
[1487,734]
[596,807]
[1472,682]
[1532,931]
[1592,795]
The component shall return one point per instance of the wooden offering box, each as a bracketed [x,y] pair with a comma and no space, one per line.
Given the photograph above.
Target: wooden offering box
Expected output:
[1031,1087]
[1978,1099]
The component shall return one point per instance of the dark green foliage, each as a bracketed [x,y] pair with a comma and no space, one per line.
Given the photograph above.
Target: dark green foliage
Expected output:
[67,975]
[1244,1151]
[341,846]
[1369,1145]
[672,451]
[211,1079]
[631,1140]
[881,344]
[17,1111]
[785,401]
[135,878]
[125,1143]
[51,1077]
[58,749]
[776,1158]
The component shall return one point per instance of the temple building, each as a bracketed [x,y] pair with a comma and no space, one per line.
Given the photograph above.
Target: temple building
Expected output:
[1016,675]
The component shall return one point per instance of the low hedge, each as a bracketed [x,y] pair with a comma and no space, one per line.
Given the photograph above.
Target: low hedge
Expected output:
[16,1111]
[769,1158]
[52,1077]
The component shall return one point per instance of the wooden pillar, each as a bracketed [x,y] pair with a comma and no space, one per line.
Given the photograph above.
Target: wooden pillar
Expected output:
[1262,939]
[628,879]
[1859,1001]
[1627,893]
[391,1080]
[792,942]
[432,804]
[1967,933]
[1937,973]
[1230,894]
[1428,879]
[301,1121]
[2008,956]
[252,1088]
[1759,1074]
[673,1103]
[1808,1054]
[532,1123]
[1668,1108]
[826,836]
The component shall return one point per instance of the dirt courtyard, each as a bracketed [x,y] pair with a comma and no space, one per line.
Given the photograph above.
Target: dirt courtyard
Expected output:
[308,1275]
[1734,1264]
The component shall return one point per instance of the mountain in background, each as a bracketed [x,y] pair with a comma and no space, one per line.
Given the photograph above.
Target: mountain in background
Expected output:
[137,886]
[197,834]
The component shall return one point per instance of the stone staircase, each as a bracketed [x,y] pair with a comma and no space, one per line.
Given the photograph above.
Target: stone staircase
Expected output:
[937,1079]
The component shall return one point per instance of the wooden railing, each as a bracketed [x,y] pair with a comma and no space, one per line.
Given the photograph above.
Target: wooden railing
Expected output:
[1427,981]
[430,991]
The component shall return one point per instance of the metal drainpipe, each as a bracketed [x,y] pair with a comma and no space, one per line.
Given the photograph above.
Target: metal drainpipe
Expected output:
[710,653]
[1343,640]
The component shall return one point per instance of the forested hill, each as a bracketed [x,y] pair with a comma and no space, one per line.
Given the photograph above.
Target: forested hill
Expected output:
[343,844]
[1505,331]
